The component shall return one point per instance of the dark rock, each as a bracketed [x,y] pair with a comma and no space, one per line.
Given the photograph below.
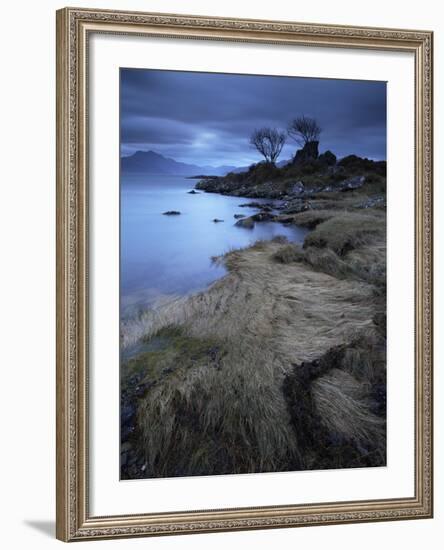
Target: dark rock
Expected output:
[327,159]
[263,217]
[297,188]
[171,213]
[308,153]
[247,223]
[251,220]
[216,220]
[239,216]
[225,186]
[126,430]
[128,412]
[261,205]
[351,183]
[372,202]
[296,206]
[193,192]
[284,218]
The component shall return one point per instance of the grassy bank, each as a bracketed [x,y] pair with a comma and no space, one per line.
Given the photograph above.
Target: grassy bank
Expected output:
[279,365]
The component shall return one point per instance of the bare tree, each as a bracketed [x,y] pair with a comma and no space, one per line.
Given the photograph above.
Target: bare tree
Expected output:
[303,130]
[268,142]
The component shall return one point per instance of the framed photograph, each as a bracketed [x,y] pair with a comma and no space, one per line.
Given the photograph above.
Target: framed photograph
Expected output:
[244,274]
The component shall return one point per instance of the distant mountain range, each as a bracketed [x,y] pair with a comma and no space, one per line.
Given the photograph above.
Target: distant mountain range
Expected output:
[150,162]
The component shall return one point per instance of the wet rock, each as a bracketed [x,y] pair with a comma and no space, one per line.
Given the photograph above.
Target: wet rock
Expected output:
[351,183]
[216,220]
[297,188]
[218,185]
[296,206]
[251,220]
[263,217]
[193,192]
[171,213]
[247,223]
[260,205]
[239,216]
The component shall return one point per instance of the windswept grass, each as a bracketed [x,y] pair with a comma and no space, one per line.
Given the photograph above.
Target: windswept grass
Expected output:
[365,264]
[347,231]
[346,245]
[213,414]
[345,411]
[213,400]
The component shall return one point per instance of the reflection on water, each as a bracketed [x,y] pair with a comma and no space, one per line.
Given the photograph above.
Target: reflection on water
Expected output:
[171,255]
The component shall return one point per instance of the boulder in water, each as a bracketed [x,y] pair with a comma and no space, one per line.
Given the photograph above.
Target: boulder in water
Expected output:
[247,223]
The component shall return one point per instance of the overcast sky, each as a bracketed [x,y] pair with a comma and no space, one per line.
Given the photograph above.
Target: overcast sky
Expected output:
[207,118]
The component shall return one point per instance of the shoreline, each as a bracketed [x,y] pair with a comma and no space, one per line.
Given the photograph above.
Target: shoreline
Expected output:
[139,296]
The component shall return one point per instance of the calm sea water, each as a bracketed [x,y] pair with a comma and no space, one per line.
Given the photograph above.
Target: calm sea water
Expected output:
[162,255]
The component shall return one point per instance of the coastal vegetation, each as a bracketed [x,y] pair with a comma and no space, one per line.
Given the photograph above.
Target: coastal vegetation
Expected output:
[281,364]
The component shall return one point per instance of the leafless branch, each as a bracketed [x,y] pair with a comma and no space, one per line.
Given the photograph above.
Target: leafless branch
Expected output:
[304,129]
[269,142]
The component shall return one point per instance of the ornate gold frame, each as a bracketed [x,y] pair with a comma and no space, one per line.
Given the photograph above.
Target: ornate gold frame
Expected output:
[73,519]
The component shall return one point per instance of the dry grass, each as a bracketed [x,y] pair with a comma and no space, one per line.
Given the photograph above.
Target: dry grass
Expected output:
[225,412]
[365,264]
[341,402]
[347,231]
[207,418]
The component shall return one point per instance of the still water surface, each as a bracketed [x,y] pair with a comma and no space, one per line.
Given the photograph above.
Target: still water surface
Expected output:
[162,255]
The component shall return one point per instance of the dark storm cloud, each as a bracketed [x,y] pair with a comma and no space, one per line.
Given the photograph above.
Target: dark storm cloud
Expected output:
[206,118]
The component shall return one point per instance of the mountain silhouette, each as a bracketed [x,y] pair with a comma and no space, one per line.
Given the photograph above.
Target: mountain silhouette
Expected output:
[150,162]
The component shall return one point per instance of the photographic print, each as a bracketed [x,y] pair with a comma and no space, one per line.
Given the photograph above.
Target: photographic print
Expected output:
[252,273]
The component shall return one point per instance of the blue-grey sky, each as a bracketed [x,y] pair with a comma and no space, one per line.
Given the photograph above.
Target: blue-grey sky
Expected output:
[207,118]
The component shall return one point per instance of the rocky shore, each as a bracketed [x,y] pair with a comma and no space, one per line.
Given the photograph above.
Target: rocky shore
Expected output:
[319,183]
